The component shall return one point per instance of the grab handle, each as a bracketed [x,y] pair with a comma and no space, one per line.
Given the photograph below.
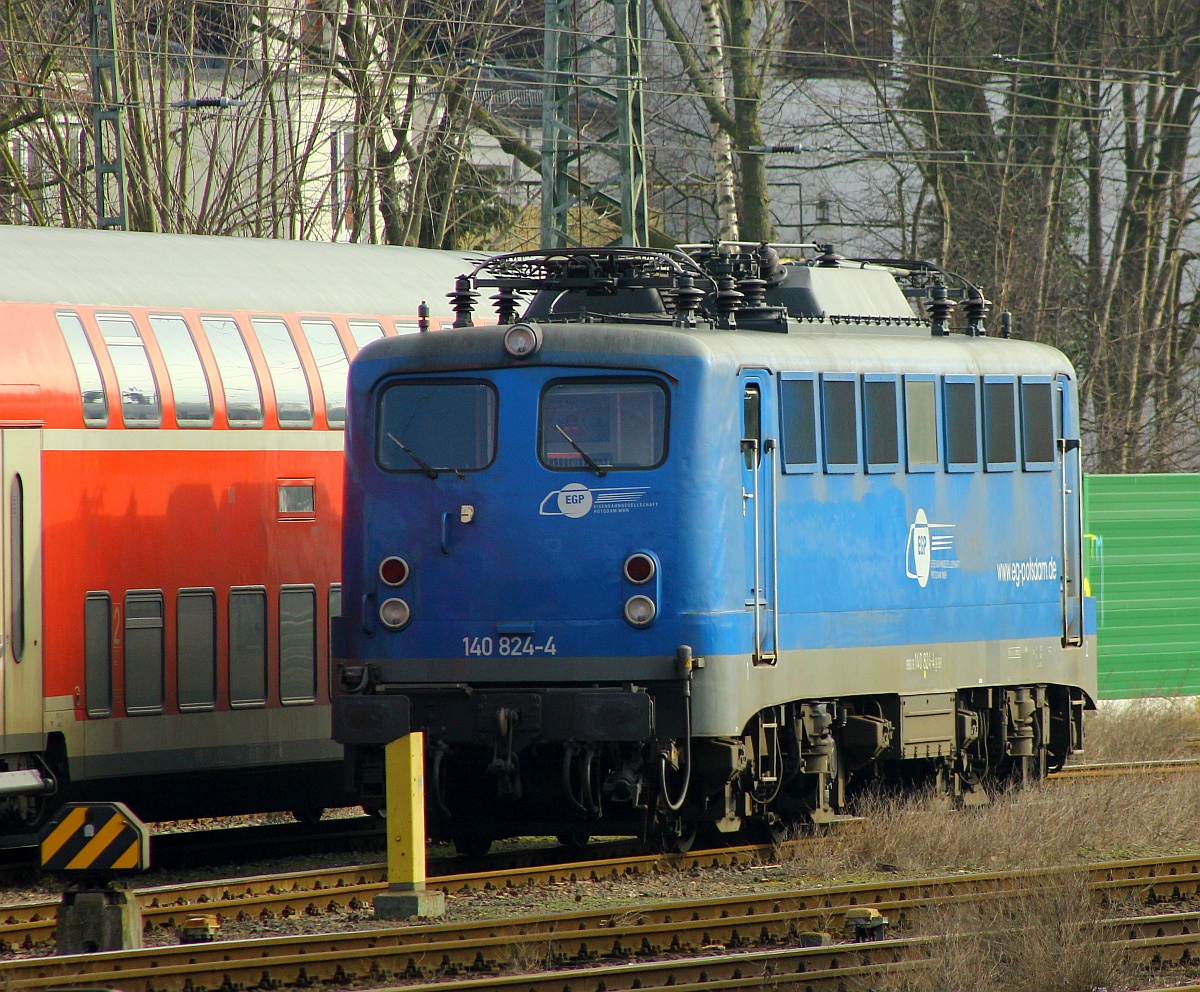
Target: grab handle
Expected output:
[446,533]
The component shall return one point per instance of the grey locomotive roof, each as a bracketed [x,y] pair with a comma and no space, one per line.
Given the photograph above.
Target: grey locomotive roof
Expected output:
[811,346]
[116,268]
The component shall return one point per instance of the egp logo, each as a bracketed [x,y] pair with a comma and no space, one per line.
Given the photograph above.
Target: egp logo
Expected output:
[924,541]
[576,500]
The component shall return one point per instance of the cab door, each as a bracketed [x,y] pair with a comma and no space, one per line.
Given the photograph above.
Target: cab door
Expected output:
[759,455]
[1070,479]
[21,585]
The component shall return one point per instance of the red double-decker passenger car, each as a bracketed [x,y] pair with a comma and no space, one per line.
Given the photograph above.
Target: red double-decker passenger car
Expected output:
[171,423]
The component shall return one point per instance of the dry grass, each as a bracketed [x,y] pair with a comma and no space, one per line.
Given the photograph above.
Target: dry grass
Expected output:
[1068,823]
[1143,730]
[1050,940]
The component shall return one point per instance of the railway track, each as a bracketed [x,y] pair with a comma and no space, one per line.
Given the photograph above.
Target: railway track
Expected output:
[740,939]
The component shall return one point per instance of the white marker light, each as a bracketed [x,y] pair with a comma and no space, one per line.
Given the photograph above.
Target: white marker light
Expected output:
[394,613]
[522,340]
[640,610]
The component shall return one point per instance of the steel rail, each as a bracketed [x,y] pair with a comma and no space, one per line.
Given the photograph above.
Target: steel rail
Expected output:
[1119,768]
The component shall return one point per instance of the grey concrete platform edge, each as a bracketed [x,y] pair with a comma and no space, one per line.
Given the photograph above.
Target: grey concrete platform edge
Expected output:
[403,904]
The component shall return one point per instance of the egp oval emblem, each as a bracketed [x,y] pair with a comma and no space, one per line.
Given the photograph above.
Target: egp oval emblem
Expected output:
[918,553]
[575,500]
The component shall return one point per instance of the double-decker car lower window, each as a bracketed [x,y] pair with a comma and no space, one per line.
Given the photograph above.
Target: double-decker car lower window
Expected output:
[601,424]
[432,427]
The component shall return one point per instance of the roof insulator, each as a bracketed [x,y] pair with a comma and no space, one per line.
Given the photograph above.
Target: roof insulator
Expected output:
[505,303]
[463,301]
[940,308]
[686,299]
[977,308]
[828,259]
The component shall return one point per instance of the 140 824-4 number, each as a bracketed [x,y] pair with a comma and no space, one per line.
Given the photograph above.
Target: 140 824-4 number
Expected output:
[506,647]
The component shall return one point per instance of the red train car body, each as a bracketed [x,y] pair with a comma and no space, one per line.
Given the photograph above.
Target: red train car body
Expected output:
[171,413]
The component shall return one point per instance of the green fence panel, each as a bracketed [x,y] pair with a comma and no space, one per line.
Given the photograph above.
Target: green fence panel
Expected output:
[1142,544]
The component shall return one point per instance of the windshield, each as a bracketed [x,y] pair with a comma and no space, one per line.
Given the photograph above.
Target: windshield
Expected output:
[434,427]
[603,424]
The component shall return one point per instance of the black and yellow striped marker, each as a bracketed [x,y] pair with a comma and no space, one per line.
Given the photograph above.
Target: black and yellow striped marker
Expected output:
[95,837]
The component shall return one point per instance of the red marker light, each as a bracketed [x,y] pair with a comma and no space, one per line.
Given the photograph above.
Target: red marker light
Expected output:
[393,570]
[639,568]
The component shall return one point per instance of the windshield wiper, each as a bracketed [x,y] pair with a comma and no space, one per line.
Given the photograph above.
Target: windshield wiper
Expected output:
[428,469]
[592,464]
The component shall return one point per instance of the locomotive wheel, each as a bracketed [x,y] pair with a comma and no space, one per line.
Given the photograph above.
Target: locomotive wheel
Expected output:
[677,838]
[472,847]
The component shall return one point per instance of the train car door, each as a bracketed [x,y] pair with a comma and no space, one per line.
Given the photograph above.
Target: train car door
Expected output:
[760,452]
[21,600]
[1070,472]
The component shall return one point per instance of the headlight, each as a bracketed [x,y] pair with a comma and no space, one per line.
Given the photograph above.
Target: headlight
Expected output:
[522,340]
[640,610]
[394,613]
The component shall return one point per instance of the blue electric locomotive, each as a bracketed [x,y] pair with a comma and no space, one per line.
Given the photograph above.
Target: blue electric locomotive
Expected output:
[708,540]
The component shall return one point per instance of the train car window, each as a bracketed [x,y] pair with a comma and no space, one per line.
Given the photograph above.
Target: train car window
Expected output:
[365,331]
[140,406]
[247,647]
[881,423]
[297,644]
[293,400]
[16,564]
[839,416]
[143,652]
[999,423]
[196,649]
[97,653]
[87,371]
[1037,423]
[961,395]
[752,424]
[407,327]
[330,356]
[243,399]
[798,412]
[335,610]
[189,382]
[443,426]
[602,424]
[920,423]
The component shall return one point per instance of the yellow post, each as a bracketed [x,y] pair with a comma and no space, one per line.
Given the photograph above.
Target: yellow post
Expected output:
[406,895]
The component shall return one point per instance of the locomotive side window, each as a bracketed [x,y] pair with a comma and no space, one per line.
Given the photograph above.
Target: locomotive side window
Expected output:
[432,427]
[601,424]
[881,423]
[143,652]
[1037,423]
[293,401]
[189,383]
[839,416]
[297,644]
[243,400]
[920,422]
[196,649]
[140,406]
[999,423]
[330,356]
[798,402]
[97,653]
[962,423]
[87,371]
[247,647]
[364,331]
[752,424]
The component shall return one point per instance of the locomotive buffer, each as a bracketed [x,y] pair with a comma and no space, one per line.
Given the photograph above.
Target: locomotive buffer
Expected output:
[92,845]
